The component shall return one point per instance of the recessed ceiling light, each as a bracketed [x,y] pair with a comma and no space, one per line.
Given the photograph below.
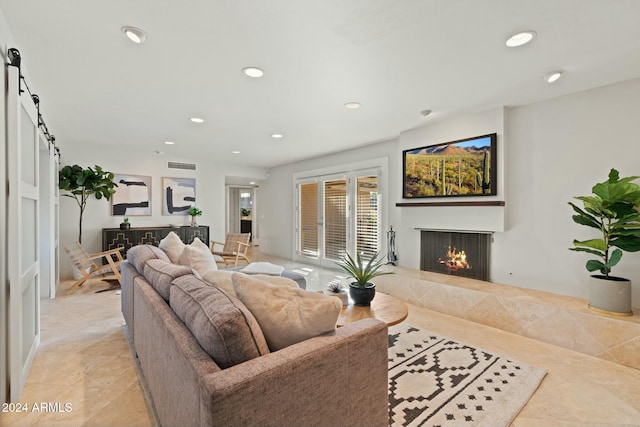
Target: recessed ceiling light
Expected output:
[276,135]
[352,105]
[235,152]
[425,113]
[252,182]
[254,72]
[521,38]
[134,34]
[196,120]
[169,142]
[552,76]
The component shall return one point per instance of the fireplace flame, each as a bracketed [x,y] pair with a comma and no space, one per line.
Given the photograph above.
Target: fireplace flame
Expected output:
[457,260]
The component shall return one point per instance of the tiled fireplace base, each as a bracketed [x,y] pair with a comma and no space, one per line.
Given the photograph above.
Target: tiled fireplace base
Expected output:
[555,319]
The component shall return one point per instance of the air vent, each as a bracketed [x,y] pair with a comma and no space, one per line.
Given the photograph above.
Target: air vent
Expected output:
[178,165]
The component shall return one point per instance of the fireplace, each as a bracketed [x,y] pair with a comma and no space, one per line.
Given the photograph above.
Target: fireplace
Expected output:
[465,254]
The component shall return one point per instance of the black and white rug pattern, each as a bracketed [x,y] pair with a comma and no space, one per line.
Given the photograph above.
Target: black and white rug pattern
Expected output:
[435,381]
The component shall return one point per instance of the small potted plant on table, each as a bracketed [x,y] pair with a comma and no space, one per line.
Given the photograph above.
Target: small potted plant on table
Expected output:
[335,289]
[360,271]
[194,212]
[125,224]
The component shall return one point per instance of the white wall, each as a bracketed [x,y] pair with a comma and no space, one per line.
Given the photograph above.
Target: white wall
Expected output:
[558,149]
[549,151]
[484,218]
[210,195]
[5,43]
[276,214]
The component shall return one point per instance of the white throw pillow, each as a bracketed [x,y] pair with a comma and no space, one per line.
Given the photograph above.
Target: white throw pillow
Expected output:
[263,267]
[286,315]
[172,246]
[198,256]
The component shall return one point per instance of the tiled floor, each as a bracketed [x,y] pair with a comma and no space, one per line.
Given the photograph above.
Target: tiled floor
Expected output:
[84,360]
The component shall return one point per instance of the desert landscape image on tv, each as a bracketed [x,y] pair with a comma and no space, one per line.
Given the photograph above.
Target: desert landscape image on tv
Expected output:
[459,168]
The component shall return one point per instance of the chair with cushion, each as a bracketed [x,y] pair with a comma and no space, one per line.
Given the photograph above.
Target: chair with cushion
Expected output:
[85,263]
[233,249]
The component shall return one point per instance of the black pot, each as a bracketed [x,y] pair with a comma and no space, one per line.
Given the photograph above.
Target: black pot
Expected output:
[362,296]
[125,226]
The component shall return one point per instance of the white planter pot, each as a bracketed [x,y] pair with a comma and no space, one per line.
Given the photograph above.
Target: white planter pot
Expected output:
[612,296]
[343,296]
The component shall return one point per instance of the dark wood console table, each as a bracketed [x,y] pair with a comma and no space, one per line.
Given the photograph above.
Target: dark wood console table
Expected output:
[116,238]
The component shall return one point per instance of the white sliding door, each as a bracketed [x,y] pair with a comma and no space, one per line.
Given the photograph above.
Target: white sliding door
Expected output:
[23,249]
[336,214]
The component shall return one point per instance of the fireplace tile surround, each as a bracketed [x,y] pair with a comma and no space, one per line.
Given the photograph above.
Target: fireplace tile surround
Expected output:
[555,319]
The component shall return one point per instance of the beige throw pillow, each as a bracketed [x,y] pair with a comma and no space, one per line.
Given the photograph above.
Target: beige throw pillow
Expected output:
[172,246]
[222,279]
[286,315]
[223,326]
[198,256]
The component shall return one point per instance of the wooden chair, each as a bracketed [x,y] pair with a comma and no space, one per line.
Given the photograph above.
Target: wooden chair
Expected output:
[234,248]
[85,263]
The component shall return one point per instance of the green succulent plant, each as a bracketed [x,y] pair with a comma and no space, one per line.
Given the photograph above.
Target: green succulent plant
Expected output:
[613,210]
[361,270]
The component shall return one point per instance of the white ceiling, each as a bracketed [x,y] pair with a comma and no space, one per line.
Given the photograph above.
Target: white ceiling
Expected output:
[395,57]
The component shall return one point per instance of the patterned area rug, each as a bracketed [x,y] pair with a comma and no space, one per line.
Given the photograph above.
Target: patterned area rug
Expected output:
[435,381]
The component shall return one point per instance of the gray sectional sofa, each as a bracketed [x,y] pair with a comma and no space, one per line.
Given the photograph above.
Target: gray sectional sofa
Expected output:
[180,324]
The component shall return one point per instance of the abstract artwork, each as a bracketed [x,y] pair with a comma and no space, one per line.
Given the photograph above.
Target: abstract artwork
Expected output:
[132,196]
[178,195]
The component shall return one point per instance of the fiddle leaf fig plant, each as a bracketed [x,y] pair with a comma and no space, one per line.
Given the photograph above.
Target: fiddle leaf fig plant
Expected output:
[613,210]
[80,184]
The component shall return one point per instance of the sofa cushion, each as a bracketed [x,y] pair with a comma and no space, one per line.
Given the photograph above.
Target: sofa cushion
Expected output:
[223,326]
[172,246]
[161,273]
[222,279]
[198,256]
[286,315]
[140,254]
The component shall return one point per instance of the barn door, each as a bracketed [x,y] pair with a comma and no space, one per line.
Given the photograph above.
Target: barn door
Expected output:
[23,251]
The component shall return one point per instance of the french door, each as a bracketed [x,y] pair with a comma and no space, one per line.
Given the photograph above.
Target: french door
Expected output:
[337,214]
[23,215]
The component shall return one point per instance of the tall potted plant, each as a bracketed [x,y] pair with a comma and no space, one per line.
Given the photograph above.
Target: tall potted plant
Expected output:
[613,210]
[360,271]
[81,184]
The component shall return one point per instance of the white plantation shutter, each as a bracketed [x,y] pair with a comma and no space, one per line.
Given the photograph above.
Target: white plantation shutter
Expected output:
[308,219]
[335,218]
[367,216]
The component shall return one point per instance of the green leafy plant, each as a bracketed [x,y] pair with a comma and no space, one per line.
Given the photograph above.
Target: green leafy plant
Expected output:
[81,184]
[193,211]
[613,210]
[334,286]
[125,221]
[361,270]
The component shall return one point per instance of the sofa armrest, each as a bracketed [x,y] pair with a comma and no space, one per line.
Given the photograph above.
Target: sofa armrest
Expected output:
[336,379]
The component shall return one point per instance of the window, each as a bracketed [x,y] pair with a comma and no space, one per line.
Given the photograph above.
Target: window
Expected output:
[308,219]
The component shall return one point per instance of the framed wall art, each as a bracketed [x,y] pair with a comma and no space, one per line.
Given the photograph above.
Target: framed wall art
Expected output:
[178,195]
[466,167]
[132,196]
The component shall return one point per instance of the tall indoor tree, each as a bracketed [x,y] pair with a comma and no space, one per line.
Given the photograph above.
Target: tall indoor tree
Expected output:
[81,184]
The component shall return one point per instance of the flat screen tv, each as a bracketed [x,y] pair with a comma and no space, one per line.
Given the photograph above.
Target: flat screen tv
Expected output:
[462,168]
